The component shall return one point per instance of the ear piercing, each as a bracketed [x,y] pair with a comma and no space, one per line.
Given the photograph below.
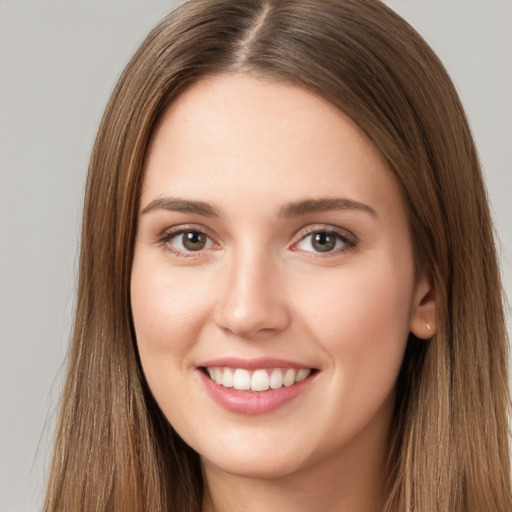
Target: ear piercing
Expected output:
[428,326]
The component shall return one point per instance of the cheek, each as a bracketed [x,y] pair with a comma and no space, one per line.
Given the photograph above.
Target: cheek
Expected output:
[362,326]
[361,319]
[168,311]
[166,307]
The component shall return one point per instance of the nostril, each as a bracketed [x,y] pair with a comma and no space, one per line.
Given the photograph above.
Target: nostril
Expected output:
[251,305]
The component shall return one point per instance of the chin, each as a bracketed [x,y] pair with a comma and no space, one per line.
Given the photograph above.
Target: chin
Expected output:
[260,467]
[259,458]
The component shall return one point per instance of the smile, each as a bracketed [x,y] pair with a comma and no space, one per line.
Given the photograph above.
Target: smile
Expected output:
[258,380]
[254,386]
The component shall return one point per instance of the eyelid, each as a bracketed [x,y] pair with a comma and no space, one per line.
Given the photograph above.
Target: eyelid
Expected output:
[345,235]
[349,239]
[179,228]
[170,232]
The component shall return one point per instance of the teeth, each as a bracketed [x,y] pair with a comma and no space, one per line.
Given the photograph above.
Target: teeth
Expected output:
[242,380]
[228,378]
[289,378]
[276,379]
[258,380]
[302,374]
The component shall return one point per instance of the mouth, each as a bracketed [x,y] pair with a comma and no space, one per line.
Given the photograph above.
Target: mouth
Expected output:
[258,380]
[255,386]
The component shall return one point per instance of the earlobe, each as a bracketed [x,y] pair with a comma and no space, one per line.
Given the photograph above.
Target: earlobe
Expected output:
[423,315]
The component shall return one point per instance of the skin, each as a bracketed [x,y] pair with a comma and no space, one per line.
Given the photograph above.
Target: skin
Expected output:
[259,288]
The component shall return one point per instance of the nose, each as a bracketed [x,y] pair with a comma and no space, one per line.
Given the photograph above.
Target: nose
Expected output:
[252,301]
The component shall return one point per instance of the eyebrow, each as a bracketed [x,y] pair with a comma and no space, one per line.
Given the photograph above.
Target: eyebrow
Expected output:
[181,205]
[295,209]
[299,208]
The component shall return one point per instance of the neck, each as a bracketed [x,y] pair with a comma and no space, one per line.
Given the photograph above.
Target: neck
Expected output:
[351,480]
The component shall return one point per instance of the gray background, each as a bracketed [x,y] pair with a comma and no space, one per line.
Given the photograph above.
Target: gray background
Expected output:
[58,63]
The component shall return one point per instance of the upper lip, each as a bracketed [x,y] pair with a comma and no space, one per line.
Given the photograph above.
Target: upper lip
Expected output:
[252,364]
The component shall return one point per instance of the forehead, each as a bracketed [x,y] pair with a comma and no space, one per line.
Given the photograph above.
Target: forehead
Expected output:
[240,135]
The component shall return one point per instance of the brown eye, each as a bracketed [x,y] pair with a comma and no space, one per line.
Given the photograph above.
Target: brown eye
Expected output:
[323,241]
[194,240]
[326,241]
[187,241]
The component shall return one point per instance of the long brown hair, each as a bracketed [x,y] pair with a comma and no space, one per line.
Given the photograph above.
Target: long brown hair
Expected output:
[449,439]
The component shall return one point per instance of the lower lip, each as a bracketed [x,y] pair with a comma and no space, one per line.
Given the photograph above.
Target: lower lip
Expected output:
[247,402]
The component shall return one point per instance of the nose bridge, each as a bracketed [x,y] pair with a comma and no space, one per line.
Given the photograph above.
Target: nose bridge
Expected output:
[253,300]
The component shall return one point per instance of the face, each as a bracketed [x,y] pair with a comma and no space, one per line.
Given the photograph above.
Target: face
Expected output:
[273,283]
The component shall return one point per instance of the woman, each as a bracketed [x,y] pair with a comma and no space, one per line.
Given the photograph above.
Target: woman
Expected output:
[288,289]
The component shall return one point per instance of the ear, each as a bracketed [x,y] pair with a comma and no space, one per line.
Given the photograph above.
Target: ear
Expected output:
[423,314]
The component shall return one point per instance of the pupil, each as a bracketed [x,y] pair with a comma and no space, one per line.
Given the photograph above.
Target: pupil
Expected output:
[324,242]
[194,241]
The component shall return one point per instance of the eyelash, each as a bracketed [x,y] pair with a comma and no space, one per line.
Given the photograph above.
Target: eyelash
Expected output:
[348,239]
[165,239]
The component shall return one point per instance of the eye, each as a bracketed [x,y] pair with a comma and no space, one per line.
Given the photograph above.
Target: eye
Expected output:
[187,240]
[325,241]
